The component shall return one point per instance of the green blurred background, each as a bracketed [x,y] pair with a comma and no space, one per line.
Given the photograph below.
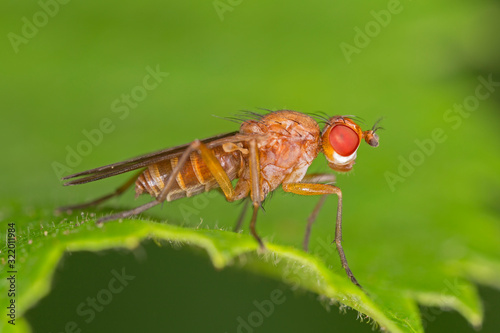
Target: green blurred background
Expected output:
[65,76]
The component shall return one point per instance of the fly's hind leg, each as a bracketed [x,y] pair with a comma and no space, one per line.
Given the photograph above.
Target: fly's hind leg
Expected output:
[213,165]
[220,176]
[100,200]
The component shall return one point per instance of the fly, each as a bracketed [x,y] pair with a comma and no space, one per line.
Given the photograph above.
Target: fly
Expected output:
[269,150]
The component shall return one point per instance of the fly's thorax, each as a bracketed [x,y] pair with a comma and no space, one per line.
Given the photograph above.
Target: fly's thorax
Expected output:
[283,122]
[287,141]
[289,134]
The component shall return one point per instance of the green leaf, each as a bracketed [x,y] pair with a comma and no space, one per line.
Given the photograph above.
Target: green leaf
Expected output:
[421,218]
[41,244]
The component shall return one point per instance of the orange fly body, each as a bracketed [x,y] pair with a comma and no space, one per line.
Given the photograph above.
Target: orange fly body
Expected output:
[269,150]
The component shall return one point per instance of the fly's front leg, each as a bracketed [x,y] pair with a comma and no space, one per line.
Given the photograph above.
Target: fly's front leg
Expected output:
[310,221]
[315,178]
[325,189]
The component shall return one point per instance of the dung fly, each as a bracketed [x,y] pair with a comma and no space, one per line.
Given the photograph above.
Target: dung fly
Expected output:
[269,150]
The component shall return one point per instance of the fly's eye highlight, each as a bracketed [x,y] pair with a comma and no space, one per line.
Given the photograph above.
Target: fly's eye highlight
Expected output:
[344,140]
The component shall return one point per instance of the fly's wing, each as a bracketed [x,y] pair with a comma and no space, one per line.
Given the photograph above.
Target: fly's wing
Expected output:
[146,160]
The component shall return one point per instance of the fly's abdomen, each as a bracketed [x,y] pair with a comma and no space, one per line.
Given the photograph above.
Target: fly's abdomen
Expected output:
[194,177]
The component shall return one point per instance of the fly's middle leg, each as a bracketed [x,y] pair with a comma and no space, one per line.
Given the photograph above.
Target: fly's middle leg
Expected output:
[241,218]
[255,189]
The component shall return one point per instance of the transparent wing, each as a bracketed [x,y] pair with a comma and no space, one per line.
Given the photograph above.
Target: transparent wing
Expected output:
[146,160]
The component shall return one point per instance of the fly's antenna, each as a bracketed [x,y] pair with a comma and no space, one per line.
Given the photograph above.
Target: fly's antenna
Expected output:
[370,137]
[375,127]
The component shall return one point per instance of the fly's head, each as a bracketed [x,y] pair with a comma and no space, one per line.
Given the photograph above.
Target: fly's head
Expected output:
[341,138]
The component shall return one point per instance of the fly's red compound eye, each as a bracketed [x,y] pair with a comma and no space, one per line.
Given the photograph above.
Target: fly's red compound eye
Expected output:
[344,140]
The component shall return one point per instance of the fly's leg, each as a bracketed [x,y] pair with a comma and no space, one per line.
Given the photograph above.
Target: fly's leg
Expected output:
[225,183]
[241,218]
[213,165]
[325,189]
[255,189]
[310,221]
[315,178]
[100,200]
[128,213]
[220,176]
